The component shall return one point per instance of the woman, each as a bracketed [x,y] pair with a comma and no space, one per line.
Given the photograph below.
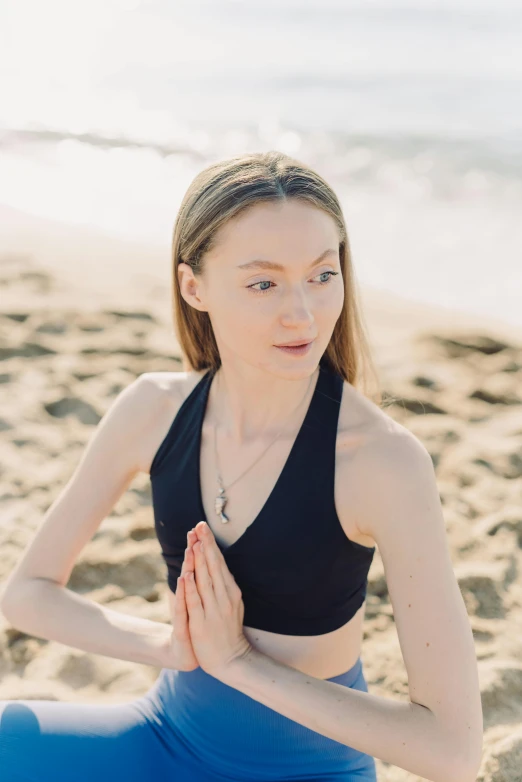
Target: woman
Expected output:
[273,478]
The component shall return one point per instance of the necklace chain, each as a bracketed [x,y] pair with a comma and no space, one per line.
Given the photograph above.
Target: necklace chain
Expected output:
[221,498]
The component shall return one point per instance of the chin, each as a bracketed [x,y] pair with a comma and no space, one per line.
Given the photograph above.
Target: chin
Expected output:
[297,372]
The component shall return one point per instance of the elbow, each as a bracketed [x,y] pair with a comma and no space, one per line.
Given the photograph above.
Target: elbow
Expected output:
[457,748]
[8,615]
[21,602]
[8,609]
[465,763]
[13,600]
[450,767]
[462,771]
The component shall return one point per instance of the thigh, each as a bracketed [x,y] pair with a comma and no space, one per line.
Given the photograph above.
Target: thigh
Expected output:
[241,739]
[56,741]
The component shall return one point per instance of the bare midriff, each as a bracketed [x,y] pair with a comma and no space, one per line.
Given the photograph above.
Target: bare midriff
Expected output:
[320,656]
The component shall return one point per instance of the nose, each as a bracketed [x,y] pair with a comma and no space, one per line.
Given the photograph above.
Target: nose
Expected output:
[296,309]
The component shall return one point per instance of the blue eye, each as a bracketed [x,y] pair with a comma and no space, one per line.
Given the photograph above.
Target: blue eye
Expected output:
[267,290]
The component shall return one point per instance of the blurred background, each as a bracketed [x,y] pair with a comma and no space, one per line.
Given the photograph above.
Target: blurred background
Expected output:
[412,109]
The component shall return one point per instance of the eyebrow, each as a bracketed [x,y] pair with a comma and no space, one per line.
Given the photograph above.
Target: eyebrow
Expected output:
[260,263]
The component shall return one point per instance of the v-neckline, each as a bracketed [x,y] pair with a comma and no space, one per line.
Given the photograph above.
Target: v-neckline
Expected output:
[208,381]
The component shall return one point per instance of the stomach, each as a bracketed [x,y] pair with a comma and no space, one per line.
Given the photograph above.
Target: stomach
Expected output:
[320,656]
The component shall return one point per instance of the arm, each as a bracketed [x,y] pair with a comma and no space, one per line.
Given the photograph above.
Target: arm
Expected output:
[35,598]
[48,610]
[438,733]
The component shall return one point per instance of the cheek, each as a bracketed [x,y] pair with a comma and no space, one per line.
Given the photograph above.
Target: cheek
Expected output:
[241,321]
[329,307]
[340,299]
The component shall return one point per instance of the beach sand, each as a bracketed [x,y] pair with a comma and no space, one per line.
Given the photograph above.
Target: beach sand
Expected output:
[82,314]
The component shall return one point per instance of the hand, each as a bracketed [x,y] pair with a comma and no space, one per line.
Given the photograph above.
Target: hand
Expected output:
[215,608]
[180,652]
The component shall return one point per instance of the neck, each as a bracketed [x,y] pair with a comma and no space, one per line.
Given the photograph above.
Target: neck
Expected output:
[249,406]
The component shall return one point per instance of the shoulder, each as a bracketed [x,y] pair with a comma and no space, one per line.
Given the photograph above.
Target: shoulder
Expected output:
[374,455]
[368,435]
[162,394]
[168,387]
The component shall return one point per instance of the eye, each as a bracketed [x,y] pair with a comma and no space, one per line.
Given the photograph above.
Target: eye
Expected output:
[267,290]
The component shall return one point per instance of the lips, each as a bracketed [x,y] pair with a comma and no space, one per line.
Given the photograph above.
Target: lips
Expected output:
[294,344]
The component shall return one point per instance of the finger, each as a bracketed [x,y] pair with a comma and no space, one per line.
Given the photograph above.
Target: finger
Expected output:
[191,539]
[216,574]
[180,610]
[179,599]
[204,580]
[194,604]
[205,534]
[188,561]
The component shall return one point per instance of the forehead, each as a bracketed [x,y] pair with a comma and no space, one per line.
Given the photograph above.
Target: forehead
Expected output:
[283,231]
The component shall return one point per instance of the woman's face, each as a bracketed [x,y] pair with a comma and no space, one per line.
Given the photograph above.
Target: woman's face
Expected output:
[251,308]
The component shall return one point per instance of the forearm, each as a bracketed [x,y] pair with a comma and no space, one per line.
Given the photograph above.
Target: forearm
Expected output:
[405,734]
[50,611]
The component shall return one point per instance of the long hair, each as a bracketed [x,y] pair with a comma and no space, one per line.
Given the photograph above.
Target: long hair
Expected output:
[221,192]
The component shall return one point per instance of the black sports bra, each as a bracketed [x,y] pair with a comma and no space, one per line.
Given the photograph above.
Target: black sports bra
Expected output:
[298,572]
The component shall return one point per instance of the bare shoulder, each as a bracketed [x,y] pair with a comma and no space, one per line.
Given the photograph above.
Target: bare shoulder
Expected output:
[169,383]
[368,442]
[171,388]
[165,392]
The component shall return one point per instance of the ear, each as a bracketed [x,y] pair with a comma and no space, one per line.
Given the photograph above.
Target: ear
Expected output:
[191,287]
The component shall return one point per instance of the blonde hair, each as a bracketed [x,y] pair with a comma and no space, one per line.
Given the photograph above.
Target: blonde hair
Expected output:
[221,192]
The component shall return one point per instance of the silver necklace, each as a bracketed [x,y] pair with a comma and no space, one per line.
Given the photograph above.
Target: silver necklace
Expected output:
[221,499]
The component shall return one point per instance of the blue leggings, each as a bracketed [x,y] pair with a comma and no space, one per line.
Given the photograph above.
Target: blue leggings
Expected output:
[188,726]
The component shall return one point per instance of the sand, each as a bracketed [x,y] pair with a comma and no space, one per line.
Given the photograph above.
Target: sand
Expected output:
[82,314]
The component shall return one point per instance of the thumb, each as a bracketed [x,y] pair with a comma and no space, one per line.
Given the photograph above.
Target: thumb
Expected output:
[180,610]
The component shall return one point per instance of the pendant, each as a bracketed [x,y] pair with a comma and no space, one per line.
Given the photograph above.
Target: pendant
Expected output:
[219,505]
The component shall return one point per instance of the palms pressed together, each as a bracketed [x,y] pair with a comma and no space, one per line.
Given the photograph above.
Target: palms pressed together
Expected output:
[181,655]
[208,610]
